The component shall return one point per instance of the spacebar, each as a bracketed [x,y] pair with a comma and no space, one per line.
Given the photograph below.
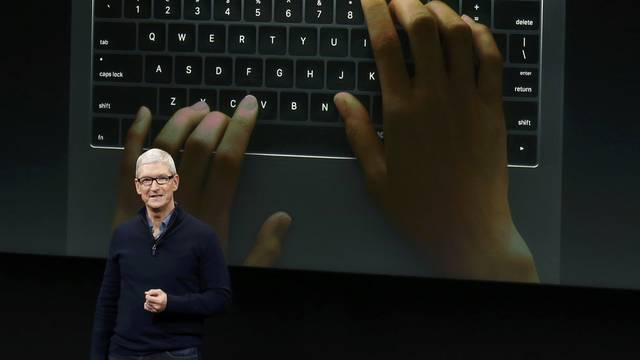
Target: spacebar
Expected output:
[299,140]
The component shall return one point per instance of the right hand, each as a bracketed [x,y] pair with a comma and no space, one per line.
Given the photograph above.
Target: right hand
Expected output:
[441,176]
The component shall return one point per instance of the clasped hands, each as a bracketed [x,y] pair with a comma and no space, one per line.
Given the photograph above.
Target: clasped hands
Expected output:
[440,177]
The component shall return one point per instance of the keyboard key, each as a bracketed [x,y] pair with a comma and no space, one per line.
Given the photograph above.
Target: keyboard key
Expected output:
[172,99]
[501,41]
[368,77]
[207,95]
[517,15]
[334,42]
[319,11]
[376,110]
[303,41]
[227,10]
[349,12]
[524,49]
[521,115]
[242,39]
[105,132]
[478,10]
[229,100]
[188,70]
[211,38]
[123,100]
[156,127]
[137,9]
[288,11]
[272,40]
[182,37]
[257,10]
[248,72]
[119,68]
[218,71]
[108,8]
[125,125]
[365,100]
[522,150]
[360,44]
[309,74]
[293,106]
[151,37]
[520,82]
[114,36]
[323,109]
[158,69]
[341,75]
[279,73]
[197,9]
[267,104]
[167,9]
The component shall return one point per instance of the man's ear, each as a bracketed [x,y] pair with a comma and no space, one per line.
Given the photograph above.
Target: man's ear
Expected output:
[176,181]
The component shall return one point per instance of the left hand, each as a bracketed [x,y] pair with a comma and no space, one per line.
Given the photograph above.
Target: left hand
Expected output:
[208,182]
[155,300]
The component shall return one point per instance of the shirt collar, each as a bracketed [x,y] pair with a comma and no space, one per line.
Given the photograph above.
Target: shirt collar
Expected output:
[164,223]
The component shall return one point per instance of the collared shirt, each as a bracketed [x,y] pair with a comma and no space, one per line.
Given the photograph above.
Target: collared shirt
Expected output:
[163,224]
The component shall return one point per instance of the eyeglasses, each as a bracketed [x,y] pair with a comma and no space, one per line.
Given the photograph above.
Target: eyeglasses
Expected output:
[162,180]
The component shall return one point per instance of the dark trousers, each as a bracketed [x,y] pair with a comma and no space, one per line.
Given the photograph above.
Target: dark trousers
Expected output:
[182,354]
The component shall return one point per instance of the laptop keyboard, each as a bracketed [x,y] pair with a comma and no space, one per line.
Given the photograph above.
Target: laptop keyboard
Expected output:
[293,55]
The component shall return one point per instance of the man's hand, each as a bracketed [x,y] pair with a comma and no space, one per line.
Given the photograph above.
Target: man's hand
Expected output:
[208,182]
[155,300]
[441,176]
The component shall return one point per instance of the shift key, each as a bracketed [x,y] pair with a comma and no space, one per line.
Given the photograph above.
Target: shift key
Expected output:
[118,68]
[123,100]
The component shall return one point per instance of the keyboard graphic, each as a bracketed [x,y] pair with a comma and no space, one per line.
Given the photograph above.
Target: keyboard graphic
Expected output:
[293,55]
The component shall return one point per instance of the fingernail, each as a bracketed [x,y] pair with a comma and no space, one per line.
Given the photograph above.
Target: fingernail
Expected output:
[284,222]
[467,19]
[142,112]
[249,103]
[200,105]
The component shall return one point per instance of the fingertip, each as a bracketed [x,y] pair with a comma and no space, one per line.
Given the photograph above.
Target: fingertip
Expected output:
[249,102]
[344,104]
[143,113]
[247,109]
[200,106]
[284,221]
[467,19]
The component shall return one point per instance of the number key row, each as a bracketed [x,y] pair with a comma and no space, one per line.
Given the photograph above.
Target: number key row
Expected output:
[347,12]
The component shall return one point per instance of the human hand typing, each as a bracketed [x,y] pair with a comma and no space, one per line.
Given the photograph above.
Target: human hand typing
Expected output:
[208,182]
[441,176]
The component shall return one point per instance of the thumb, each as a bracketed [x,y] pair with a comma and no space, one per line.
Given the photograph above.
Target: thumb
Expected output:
[268,246]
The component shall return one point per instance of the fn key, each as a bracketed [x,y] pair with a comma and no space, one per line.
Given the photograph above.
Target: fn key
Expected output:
[105,132]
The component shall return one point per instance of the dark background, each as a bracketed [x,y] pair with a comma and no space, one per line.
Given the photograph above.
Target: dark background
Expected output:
[47,303]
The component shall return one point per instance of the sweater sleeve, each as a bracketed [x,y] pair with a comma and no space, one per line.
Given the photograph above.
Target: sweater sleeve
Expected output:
[215,287]
[106,307]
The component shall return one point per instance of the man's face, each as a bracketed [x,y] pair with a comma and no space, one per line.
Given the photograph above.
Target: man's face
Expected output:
[156,197]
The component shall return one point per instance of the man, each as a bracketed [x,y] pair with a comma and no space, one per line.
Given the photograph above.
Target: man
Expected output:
[165,273]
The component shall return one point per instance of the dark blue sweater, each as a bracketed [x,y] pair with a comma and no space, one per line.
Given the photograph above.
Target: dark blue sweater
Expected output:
[188,265]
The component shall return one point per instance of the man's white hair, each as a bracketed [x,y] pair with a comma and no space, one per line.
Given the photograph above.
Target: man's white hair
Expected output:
[153,156]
